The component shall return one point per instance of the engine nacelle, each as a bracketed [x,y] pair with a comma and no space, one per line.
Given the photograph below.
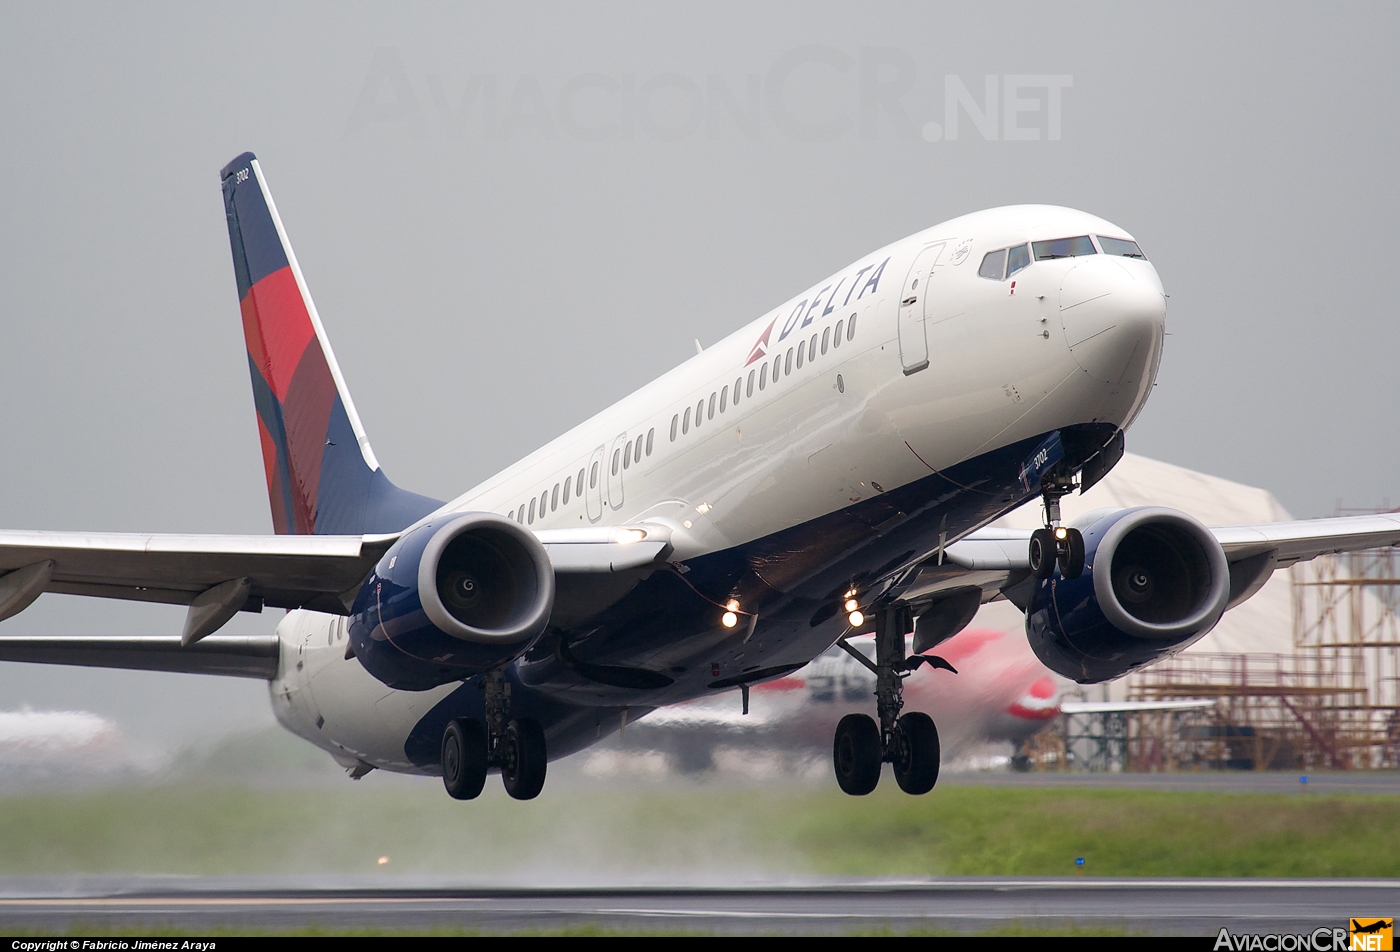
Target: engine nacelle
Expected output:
[1154,581]
[452,598]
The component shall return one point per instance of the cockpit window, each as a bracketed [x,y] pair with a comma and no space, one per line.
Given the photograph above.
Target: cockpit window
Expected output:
[993,265]
[1063,248]
[1017,258]
[1120,246]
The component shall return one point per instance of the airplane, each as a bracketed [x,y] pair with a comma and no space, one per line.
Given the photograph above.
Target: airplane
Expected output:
[1002,694]
[829,469]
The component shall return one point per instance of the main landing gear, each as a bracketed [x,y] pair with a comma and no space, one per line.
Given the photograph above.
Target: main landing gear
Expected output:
[517,747]
[908,742]
[1056,543]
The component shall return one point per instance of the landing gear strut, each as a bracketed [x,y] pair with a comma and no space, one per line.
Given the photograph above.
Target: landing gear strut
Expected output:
[1056,544]
[908,742]
[517,747]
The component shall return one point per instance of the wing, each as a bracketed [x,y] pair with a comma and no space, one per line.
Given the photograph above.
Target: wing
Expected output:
[282,571]
[996,560]
[218,576]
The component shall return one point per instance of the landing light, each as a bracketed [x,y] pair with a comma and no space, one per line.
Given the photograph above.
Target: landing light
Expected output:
[1061,533]
[732,605]
[852,604]
[856,619]
[628,536]
[729,620]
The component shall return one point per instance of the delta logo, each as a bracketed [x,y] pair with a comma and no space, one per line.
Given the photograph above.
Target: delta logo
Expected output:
[820,305]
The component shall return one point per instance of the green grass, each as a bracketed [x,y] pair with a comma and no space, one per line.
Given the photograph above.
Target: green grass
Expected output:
[706,834]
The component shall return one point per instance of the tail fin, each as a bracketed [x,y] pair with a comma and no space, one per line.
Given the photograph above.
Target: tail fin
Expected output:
[322,477]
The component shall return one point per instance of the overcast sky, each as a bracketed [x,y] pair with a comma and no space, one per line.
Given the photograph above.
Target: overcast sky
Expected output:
[512,215]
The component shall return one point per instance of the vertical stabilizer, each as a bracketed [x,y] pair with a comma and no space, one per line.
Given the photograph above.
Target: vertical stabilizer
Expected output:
[322,476]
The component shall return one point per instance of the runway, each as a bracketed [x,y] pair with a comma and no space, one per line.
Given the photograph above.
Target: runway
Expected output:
[960,905]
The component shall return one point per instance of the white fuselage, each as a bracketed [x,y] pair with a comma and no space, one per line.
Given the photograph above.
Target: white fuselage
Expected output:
[943,365]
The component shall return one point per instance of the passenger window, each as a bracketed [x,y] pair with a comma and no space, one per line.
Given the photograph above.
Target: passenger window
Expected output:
[578,484]
[801,353]
[567,480]
[738,385]
[787,364]
[1017,258]
[685,424]
[1121,246]
[826,337]
[748,391]
[520,515]
[699,412]
[532,510]
[836,338]
[554,499]
[777,367]
[593,476]
[812,348]
[713,398]
[993,265]
[637,453]
[626,456]
[617,458]
[763,377]
[851,328]
[650,433]
[723,398]
[544,501]
[1063,248]
[675,422]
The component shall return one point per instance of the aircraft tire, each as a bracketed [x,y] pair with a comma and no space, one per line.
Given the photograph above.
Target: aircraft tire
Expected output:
[856,754]
[918,753]
[464,759]
[1071,556]
[525,759]
[1042,553]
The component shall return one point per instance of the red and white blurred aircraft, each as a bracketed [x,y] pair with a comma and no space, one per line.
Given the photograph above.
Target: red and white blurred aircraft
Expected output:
[1002,694]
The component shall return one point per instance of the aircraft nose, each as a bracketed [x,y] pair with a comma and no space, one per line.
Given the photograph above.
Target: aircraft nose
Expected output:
[1113,314]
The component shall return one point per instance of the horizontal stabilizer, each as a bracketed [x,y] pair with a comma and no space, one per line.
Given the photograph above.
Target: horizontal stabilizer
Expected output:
[239,656]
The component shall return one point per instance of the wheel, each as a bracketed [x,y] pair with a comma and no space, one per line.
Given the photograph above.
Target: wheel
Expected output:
[523,759]
[916,753]
[464,759]
[1042,553]
[1071,554]
[856,754]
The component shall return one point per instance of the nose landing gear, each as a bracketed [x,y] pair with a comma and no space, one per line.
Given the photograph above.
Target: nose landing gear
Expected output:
[908,742]
[516,746]
[1056,544]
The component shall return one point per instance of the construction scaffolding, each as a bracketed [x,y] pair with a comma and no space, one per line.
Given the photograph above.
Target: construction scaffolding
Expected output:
[1334,703]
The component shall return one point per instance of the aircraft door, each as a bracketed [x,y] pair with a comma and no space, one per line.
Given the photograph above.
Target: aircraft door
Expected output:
[597,478]
[913,343]
[615,468]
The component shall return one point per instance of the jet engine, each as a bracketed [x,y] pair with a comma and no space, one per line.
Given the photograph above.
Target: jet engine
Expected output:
[1154,581]
[451,599]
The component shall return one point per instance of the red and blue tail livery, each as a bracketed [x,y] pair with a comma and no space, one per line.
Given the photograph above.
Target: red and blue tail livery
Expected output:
[322,476]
